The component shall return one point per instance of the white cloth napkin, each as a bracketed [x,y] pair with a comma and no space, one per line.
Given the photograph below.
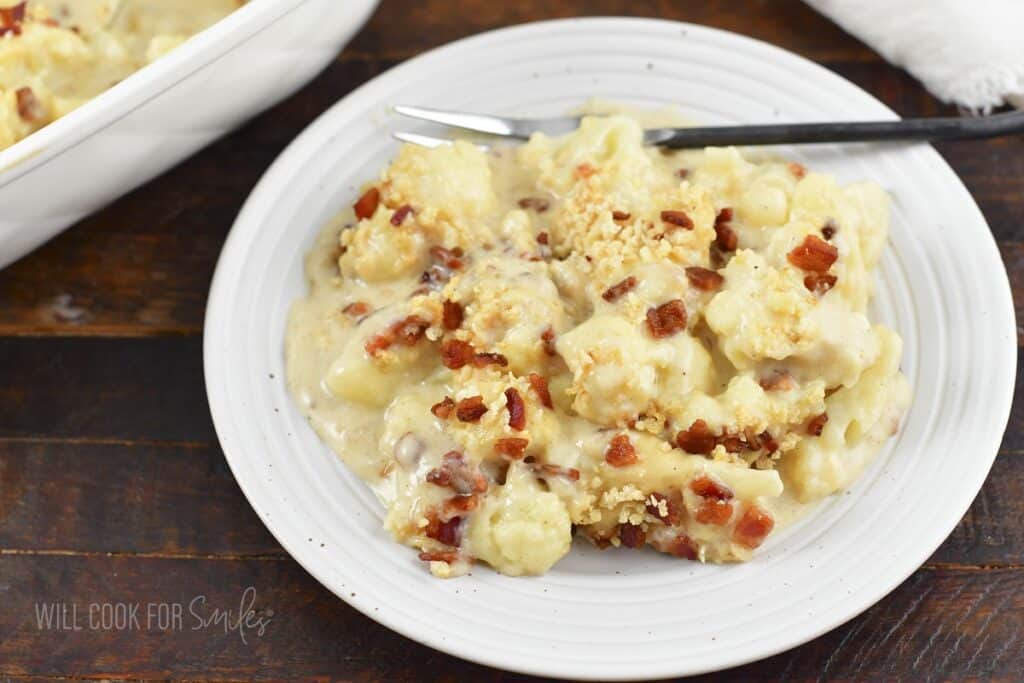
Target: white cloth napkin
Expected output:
[967,52]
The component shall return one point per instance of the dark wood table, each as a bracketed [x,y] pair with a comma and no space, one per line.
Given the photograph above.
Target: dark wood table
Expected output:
[113,490]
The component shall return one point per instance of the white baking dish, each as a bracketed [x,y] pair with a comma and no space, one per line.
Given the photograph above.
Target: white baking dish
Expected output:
[155,118]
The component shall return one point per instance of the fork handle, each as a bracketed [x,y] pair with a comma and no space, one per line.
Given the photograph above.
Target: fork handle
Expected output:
[927,129]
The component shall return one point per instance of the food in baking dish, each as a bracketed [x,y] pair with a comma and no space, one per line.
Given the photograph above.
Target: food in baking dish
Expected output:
[55,55]
[583,334]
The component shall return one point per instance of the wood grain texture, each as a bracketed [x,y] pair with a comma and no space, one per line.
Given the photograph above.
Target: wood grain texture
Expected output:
[958,622]
[148,389]
[114,498]
[402,29]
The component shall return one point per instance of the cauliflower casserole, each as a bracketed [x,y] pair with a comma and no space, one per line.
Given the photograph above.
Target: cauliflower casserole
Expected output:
[583,335]
[56,55]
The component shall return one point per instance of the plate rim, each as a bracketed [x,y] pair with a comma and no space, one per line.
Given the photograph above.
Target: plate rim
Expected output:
[217,301]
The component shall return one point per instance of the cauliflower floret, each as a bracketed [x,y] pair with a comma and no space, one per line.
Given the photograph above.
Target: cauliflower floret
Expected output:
[745,405]
[610,146]
[449,188]
[377,252]
[860,418]
[620,372]
[766,314]
[508,305]
[760,312]
[373,379]
[765,200]
[521,530]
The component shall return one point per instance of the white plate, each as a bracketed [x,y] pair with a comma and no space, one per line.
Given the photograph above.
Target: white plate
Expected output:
[158,116]
[621,615]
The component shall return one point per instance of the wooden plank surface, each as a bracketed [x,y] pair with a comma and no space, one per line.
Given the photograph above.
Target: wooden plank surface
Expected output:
[146,389]
[113,489]
[959,622]
[143,499]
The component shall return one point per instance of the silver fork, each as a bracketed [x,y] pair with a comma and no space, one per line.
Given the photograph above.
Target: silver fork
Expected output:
[926,129]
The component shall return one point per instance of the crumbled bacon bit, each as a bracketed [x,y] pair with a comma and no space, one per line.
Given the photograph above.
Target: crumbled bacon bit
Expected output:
[715,512]
[683,172]
[367,204]
[819,283]
[439,476]
[547,338]
[828,231]
[538,204]
[456,474]
[14,13]
[444,408]
[706,487]
[816,425]
[752,527]
[677,218]
[621,451]
[725,237]
[768,442]
[683,546]
[570,473]
[618,290]
[470,409]
[11,19]
[753,439]
[459,505]
[704,279]
[540,387]
[813,254]
[667,319]
[798,170]
[671,514]
[377,343]
[632,535]
[779,380]
[585,170]
[621,215]
[449,258]
[30,109]
[408,332]
[511,447]
[542,238]
[400,215]
[356,309]
[451,314]
[484,359]
[448,533]
[698,439]
[449,556]
[456,353]
[732,443]
[516,409]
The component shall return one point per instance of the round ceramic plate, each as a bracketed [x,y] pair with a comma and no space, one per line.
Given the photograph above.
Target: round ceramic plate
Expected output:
[623,614]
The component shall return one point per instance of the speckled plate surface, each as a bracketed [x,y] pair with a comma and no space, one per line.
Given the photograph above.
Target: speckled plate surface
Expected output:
[623,615]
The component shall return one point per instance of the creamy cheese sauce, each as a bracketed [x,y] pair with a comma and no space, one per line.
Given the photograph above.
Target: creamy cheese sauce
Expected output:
[649,348]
